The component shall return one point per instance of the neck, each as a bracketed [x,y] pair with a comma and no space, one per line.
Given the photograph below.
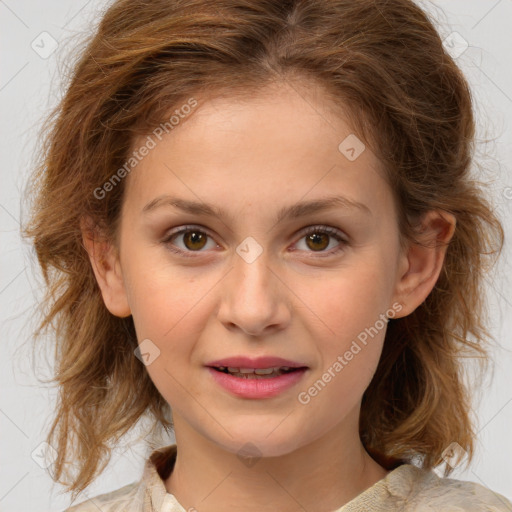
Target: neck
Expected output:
[321,476]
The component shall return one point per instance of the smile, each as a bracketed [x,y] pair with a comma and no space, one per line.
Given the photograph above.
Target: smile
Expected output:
[253,373]
[256,383]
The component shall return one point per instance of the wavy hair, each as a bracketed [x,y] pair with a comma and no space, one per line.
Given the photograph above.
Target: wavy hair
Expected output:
[384,64]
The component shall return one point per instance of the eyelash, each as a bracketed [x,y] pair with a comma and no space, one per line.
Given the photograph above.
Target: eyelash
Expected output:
[333,232]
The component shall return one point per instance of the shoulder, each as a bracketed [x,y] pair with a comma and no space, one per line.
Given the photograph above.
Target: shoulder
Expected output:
[124,499]
[149,491]
[422,490]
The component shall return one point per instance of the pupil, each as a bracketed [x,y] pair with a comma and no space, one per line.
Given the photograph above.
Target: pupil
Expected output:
[194,237]
[315,238]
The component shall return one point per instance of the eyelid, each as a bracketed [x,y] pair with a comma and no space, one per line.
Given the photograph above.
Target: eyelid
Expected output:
[324,228]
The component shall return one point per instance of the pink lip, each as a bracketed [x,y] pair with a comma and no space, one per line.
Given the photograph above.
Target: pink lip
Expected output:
[259,362]
[257,388]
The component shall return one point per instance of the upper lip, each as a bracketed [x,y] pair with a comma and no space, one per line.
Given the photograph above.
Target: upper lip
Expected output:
[259,362]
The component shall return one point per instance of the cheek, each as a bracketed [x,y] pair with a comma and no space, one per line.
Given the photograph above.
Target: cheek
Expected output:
[349,327]
[159,296]
[173,325]
[169,309]
[348,357]
[350,301]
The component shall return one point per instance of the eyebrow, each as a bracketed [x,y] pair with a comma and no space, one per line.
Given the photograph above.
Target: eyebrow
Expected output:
[287,212]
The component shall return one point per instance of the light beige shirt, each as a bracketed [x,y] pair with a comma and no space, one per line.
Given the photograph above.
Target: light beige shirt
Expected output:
[407,488]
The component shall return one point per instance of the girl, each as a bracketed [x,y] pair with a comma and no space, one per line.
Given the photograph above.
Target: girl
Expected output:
[257,225]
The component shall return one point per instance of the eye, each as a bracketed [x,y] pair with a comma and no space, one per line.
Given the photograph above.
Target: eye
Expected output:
[194,239]
[316,239]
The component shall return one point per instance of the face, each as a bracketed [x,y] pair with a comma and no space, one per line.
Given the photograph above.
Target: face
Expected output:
[259,276]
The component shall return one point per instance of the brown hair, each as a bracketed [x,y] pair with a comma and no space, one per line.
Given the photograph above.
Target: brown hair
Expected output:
[408,101]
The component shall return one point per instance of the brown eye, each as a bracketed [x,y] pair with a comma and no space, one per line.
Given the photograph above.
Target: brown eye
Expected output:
[317,241]
[318,238]
[187,240]
[194,240]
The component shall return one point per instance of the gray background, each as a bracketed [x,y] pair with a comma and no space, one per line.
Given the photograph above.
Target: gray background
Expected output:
[29,86]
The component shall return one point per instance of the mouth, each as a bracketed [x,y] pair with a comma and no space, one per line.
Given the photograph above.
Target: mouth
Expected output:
[257,373]
[257,383]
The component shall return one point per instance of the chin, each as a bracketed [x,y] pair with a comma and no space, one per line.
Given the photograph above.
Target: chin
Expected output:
[263,442]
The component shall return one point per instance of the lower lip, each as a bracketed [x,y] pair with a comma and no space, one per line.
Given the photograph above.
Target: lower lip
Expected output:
[265,387]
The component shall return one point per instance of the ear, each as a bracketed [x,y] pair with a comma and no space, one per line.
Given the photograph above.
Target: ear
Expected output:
[422,261]
[107,269]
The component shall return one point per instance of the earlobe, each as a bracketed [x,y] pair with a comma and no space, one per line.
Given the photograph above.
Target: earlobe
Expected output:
[422,262]
[107,269]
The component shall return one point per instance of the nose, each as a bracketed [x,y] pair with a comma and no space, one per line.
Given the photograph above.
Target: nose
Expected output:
[254,298]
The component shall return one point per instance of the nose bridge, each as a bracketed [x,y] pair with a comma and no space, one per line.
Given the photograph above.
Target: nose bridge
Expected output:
[252,276]
[252,298]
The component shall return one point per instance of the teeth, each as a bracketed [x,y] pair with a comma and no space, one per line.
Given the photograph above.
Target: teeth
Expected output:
[257,371]
[262,371]
[278,370]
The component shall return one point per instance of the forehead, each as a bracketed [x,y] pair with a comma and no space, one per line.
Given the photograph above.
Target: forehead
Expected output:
[283,143]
